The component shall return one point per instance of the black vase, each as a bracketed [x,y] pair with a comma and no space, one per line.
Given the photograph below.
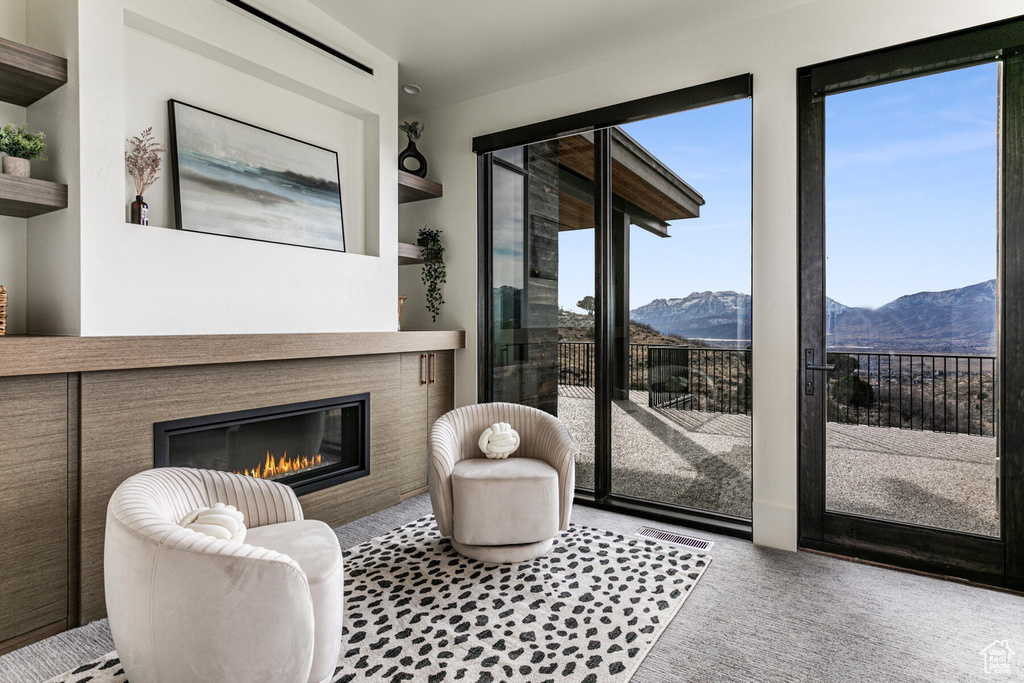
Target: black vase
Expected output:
[411,152]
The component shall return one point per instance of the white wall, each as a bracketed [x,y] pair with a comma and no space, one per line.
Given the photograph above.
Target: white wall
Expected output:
[54,239]
[89,272]
[772,49]
[12,230]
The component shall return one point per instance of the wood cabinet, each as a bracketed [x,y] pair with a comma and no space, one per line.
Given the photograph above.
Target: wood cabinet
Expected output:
[34,507]
[428,383]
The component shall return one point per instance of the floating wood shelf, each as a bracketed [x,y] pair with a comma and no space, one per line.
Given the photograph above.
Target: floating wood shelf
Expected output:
[412,188]
[27,74]
[409,254]
[27,197]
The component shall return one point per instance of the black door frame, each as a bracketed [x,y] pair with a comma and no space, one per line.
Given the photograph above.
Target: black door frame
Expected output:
[599,121]
[997,561]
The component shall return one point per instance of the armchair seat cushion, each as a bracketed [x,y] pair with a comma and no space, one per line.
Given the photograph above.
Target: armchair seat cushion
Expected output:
[504,502]
[314,546]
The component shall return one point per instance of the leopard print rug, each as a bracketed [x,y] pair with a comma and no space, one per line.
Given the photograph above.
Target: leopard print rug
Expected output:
[588,611]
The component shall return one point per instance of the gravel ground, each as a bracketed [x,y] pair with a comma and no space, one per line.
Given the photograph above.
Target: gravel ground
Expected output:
[941,480]
[699,460]
[703,460]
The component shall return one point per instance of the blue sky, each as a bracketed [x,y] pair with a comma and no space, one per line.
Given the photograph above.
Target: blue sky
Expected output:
[910,195]
[910,186]
[709,148]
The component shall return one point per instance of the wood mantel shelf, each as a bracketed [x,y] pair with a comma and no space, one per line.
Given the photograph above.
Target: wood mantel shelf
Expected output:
[27,74]
[412,188]
[38,355]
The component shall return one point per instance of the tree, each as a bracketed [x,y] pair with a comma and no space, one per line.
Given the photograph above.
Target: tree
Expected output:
[587,304]
[854,392]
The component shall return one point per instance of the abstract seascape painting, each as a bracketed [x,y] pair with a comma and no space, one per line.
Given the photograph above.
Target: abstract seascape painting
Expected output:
[238,180]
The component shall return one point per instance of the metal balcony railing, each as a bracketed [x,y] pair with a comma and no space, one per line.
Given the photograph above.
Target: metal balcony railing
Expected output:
[942,393]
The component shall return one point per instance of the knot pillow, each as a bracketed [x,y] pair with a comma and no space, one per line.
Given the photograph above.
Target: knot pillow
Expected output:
[221,521]
[499,441]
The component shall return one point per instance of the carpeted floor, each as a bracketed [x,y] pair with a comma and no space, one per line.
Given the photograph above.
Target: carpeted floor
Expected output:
[759,615]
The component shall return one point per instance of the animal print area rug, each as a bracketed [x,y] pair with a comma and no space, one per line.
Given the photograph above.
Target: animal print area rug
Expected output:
[415,610]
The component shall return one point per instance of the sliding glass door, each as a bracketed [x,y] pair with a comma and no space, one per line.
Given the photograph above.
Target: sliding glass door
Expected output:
[911,259]
[681,231]
[612,301]
[542,350]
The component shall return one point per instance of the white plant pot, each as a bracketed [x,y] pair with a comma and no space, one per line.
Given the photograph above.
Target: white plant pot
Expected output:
[17,167]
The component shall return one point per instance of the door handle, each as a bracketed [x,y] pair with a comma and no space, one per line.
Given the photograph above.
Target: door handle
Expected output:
[433,368]
[423,368]
[810,368]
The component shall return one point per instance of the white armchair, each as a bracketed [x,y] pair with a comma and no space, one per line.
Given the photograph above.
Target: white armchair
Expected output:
[501,510]
[184,606]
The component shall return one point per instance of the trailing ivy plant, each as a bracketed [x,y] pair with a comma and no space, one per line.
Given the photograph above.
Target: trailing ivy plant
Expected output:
[18,142]
[434,273]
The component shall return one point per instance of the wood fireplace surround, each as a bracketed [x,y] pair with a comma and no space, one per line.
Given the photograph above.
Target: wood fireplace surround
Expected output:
[77,418]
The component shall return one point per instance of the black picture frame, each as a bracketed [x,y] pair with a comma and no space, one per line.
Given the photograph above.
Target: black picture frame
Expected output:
[273,189]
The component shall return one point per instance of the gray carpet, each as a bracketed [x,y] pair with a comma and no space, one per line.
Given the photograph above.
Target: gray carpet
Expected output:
[760,615]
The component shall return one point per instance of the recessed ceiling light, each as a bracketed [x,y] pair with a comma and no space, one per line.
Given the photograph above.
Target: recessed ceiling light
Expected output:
[411,89]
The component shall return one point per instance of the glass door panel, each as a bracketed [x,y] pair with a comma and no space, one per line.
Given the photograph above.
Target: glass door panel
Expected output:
[543,286]
[912,301]
[681,419]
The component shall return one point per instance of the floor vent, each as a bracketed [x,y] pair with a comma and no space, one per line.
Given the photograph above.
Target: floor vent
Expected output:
[677,539]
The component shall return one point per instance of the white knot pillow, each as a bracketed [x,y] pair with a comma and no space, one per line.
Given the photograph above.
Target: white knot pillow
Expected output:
[499,441]
[221,521]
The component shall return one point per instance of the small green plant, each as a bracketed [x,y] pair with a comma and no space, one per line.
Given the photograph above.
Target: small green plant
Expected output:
[434,273]
[18,142]
[413,130]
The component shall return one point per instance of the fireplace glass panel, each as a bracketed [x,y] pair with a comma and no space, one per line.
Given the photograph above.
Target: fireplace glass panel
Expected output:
[298,445]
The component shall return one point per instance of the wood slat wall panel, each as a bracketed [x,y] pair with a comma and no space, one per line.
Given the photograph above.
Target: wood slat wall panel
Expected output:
[33,503]
[26,355]
[120,407]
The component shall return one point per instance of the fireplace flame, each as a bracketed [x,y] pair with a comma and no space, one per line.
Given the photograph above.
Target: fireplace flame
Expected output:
[279,467]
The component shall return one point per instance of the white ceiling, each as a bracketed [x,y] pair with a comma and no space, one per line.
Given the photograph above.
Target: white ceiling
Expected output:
[459,49]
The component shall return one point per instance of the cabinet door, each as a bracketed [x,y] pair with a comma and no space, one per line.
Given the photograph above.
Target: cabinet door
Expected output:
[441,398]
[412,469]
[33,503]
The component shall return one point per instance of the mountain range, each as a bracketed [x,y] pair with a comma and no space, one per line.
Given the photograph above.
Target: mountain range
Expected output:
[954,320]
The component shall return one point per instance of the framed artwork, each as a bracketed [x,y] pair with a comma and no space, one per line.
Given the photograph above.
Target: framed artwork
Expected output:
[239,180]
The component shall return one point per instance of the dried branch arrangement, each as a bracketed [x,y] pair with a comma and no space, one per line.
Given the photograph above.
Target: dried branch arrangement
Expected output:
[144,160]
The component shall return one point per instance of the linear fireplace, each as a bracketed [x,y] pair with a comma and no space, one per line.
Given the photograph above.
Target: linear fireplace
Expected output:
[308,446]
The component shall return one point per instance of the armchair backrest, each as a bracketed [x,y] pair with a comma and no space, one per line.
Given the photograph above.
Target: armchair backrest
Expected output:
[186,606]
[455,437]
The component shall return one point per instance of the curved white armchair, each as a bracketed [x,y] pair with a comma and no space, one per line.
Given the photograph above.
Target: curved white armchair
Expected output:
[501,510]
[184,606]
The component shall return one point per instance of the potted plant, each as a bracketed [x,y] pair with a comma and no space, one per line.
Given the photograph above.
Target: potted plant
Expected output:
[21,147]
[143,162]
[434,273]
[412,131]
